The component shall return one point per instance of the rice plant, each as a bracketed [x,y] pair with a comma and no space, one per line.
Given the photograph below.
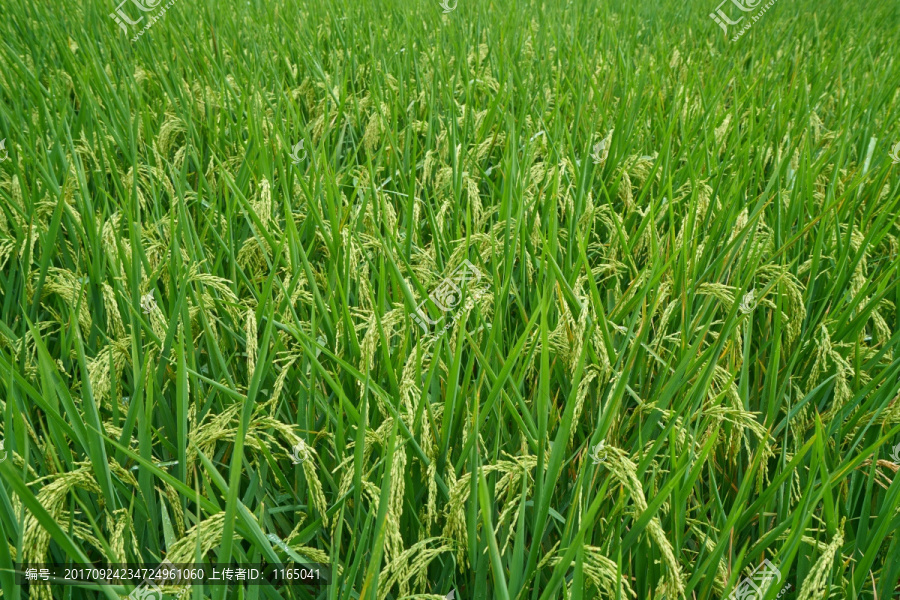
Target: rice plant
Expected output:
[513,299]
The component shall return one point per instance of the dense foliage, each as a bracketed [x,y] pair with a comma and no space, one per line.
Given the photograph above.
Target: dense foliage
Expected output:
[677,353]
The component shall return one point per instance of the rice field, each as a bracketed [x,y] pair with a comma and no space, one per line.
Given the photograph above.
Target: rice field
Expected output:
[466,300]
